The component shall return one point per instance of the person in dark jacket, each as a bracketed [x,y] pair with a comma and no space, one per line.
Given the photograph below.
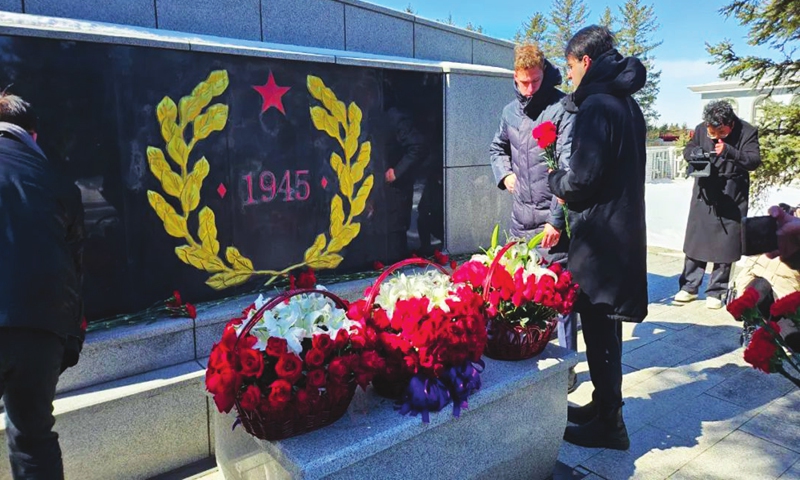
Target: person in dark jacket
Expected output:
[520,168]
[719,201]
[604,189]
[40,290]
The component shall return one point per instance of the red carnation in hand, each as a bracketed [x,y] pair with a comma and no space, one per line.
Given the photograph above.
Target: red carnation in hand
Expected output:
[315,357]
[545,134]
[786,306]
[289,367]
[378,265]
[276,346]
[251,398]
[762,348]
[739,307]
[252,362]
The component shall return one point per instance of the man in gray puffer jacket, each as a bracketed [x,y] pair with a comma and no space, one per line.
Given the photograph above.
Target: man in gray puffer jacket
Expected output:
[520,168]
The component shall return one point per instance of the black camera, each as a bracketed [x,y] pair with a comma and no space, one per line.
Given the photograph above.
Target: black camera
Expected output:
[759,235]
[700,162]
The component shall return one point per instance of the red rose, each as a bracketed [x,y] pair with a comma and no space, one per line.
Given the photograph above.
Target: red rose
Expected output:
[224,385]
[315,358]
[303,397]
[221,359]
[440,258]
[276,346]
[378,265]
[380,319]
[307,279]
[545,134]
[453,264]
[224,401]
[316,378]
[229,339]
[289,367]
[251,398]
[323,342]
[342,339]
[252,362]
[338,367]
[190,310]
[280,392]
[292,282]
[372,360]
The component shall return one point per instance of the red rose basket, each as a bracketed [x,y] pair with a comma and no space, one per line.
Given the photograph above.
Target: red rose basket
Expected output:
[392,381]
[431,353]
[506,341]
[294,417]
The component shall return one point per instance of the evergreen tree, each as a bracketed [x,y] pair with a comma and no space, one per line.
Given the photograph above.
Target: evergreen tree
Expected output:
[637,26]
[532,31]
[775,24]
[608,20]
[474,28]
[566,18]
[410,10]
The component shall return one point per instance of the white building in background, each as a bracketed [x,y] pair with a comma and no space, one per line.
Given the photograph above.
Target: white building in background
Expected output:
[746,100]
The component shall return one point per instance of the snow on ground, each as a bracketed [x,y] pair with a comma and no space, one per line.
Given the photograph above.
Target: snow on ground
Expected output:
[667,204]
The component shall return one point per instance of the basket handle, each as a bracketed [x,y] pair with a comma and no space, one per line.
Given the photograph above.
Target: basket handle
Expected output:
[487,282]
[281,297]
[403,263]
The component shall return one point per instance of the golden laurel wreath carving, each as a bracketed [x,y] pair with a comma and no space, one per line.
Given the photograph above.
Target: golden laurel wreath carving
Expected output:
[203,251]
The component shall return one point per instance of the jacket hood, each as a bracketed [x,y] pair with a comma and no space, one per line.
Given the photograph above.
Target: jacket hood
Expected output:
[552,79]
[612,74]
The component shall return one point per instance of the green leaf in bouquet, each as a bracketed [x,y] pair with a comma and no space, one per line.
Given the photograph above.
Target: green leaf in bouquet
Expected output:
[495,235]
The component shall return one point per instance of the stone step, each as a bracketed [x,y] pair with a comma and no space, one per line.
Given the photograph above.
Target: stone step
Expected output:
[131,428]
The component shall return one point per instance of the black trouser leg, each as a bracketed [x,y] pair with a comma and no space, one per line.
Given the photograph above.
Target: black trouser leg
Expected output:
[692,276]
[603,337]
[30,363]
[718,284]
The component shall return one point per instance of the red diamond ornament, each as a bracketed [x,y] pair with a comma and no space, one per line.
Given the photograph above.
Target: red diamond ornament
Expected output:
[324,182]
[221,190]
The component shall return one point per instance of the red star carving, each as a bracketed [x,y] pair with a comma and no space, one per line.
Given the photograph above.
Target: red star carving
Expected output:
[271,93]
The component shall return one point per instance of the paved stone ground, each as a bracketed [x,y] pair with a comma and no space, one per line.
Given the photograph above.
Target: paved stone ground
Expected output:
[694,409]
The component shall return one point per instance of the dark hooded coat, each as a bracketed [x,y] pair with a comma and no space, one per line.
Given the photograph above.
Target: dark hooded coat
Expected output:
[719,201]
[604,189]
[514,150]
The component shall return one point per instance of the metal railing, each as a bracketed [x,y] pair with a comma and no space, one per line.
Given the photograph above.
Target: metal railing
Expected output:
[664,163]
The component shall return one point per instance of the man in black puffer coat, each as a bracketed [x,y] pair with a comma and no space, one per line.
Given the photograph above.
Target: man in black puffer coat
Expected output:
[604,189]
[41,231]
[520,168]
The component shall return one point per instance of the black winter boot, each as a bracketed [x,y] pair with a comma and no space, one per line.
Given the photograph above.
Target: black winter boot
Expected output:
[572,384]
[606,430]
[582,415]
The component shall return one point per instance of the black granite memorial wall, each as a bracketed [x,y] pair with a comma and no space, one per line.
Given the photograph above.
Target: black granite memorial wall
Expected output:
[213,174]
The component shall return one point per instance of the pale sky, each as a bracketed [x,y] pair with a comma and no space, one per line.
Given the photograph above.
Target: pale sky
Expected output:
[686,25]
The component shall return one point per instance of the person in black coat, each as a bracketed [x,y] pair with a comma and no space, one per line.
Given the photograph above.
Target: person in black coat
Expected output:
[719,201]
[40,290]
[604,189]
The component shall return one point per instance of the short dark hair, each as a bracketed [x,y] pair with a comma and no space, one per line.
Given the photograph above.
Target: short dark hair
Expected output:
[14,109]
[593,41]
[719,113]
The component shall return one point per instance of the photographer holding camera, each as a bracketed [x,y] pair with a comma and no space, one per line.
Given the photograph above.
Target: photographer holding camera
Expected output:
[722,152]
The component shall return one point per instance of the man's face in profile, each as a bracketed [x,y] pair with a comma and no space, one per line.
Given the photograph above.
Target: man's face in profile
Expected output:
[529,80]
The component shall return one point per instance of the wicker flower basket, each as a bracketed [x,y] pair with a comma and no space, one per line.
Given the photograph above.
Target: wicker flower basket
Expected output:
[394,386]
[514,342]
[290,422]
